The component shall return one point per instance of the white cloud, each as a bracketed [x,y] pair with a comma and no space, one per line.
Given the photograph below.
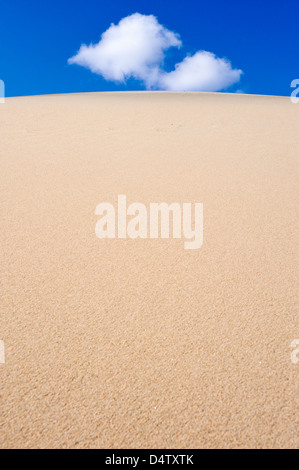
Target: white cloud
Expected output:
[133,48]
[136,48]
[201,72]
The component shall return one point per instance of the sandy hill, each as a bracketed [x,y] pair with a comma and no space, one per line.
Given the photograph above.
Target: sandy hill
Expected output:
[141,343]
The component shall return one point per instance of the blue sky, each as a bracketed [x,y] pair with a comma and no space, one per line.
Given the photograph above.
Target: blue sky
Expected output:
[37,38]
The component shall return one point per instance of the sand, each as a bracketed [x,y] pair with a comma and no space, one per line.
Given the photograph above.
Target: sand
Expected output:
[141,343]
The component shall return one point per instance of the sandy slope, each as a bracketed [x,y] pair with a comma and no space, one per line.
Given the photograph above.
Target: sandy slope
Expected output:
[140,343]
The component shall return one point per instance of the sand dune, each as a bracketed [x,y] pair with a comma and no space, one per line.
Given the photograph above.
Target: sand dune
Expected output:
[140,343]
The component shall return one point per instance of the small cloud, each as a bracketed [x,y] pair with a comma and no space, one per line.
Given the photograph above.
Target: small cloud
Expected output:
[201,72]
[136,47]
